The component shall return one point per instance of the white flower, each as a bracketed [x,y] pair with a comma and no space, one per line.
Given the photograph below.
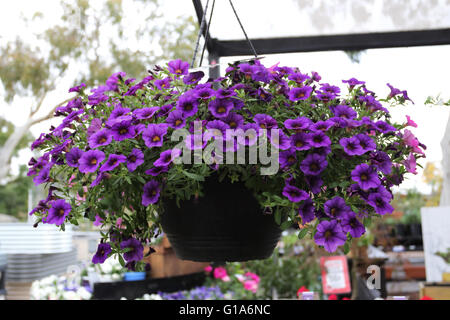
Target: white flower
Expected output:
[84,294]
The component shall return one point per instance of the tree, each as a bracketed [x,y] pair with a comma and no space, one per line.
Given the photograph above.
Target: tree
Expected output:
[89,43]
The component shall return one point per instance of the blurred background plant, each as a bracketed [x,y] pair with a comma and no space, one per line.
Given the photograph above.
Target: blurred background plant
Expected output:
[87,44]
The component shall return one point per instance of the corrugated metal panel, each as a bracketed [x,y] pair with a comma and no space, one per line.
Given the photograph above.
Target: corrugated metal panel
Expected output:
[24,268]
[3,259]
[23,238]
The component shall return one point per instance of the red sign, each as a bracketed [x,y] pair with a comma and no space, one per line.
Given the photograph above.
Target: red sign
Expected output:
[335,276]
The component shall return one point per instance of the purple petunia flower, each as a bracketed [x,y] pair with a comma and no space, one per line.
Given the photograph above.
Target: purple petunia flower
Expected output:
[58,212]
[313,164]
[330,235]
[322,125]
[193,77]
[381,161]
[178,67]
[249,135]
[306,211]
[303,93]
[73,156]
[298,77]
[384,127]
[156,171]
[265,121]
[135,159]
[188,104]
[162,84]
[153,135]
[145,113]
[351,224]
[380,203]
[118,114]
[103,250]
[114,160]
[137,250]
[100,138]
[43,175]
[90,161]
[164,110]
[294,194]
[287,158]
[366,176]
[77,89]
[220,108]
[203,93]
[176,119]
[151,193]
[315,183]
[279,140]
[234,120]
[167,157]
[345,112]
[301,141]
[96,125]
[301,123]
[318,139]
[353,82]
[351,146]
[216,129]
[123,130]
[336,208]
[366,142]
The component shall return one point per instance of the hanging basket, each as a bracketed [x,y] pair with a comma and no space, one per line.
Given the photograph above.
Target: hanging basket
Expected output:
[226,224]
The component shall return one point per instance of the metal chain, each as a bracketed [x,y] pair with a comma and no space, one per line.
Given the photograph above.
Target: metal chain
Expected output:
[207,32]
[202,25]
[243,30]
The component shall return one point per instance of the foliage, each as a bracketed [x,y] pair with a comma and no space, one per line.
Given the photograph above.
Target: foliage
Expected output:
[88,43]
[14,195]
[410,204]
[290,268]
[339,155]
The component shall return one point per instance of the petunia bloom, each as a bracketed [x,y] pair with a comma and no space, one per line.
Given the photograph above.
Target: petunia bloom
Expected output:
[151,193]
[330,235]
[58,212]
[103,250]
[366,176]
[114,160]
[135,159]
[294,194]
[90,161]
[137,250]
[153,135]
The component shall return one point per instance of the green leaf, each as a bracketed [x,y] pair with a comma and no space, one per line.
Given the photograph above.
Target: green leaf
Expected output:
[122,262]
[303,233]
[346,247]
[278,216]
[286,225]
[193,176]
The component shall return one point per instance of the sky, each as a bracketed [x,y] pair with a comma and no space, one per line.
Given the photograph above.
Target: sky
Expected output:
[422,71]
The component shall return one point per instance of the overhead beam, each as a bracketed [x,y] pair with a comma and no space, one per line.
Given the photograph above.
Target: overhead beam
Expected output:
[347,42]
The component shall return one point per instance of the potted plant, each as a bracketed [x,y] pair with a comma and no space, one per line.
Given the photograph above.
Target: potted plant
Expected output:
[221,166]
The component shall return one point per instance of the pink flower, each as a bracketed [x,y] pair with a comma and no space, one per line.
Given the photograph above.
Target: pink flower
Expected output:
[208,269]
[332,297]
[119,224]
[251,285]
[301,289]
[410,164]
[411,140]
[410,123]
[253,276]
[98,221]
[221,273]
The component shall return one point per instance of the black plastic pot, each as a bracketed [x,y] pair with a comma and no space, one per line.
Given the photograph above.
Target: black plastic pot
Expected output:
[225,225]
